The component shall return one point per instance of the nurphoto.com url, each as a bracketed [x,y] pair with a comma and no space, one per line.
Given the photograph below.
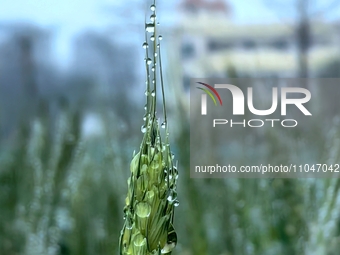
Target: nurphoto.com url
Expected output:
[268,168]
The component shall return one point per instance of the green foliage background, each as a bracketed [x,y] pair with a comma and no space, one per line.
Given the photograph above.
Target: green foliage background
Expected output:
[63,194]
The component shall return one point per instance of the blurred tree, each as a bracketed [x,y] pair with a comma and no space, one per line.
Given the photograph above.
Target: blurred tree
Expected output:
[305,12]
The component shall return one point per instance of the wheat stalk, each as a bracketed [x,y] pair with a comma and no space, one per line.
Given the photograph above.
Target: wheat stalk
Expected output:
[152,196]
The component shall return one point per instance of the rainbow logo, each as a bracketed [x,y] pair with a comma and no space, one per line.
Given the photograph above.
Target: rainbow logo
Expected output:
[209,90]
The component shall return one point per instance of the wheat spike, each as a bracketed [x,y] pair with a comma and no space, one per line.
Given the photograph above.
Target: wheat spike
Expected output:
[152,196]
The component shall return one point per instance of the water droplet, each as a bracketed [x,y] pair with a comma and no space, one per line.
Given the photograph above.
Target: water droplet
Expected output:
[154,165]
[175,172]
[145,45]
[146,93]
[155,54]
[152,38]
[153,81]
[149,61]
[163,125]
[153,17]
[172,195]
[143,209]
[176,203]
[149,27]
[160,37]
[172,156]
[152,69]
[153,7]
[153,93]
[139,241]
[129,222]
[143,129]
[158,45]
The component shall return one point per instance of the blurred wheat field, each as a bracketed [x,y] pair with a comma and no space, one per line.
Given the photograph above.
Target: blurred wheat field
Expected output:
[67,140]
[62,193]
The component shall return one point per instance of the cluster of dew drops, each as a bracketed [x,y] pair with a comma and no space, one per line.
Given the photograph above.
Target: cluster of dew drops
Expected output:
[150,28]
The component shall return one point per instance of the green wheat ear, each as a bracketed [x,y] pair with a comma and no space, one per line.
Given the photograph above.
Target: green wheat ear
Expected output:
[152,197]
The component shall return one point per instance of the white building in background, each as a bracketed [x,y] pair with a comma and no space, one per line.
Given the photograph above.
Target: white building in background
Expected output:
[209,44]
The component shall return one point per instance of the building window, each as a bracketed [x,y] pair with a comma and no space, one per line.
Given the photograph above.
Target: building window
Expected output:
[186,82]
[188,50]
[280,44]
[214,45]
[249,44]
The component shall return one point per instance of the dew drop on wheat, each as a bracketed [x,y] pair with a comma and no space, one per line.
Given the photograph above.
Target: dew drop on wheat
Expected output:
[153,7]
[152,38]
[158,45]
[172,195]
[143,129]
[152,69]
[128,222]
[155,54]
[145,45]
[153,93]
[163,125]
[176,203]
[149,27]
[160,37]
[143,209]
[153,17]
[149,61]
[175,170]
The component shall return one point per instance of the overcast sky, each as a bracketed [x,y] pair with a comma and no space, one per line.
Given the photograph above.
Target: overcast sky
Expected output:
[68,17]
